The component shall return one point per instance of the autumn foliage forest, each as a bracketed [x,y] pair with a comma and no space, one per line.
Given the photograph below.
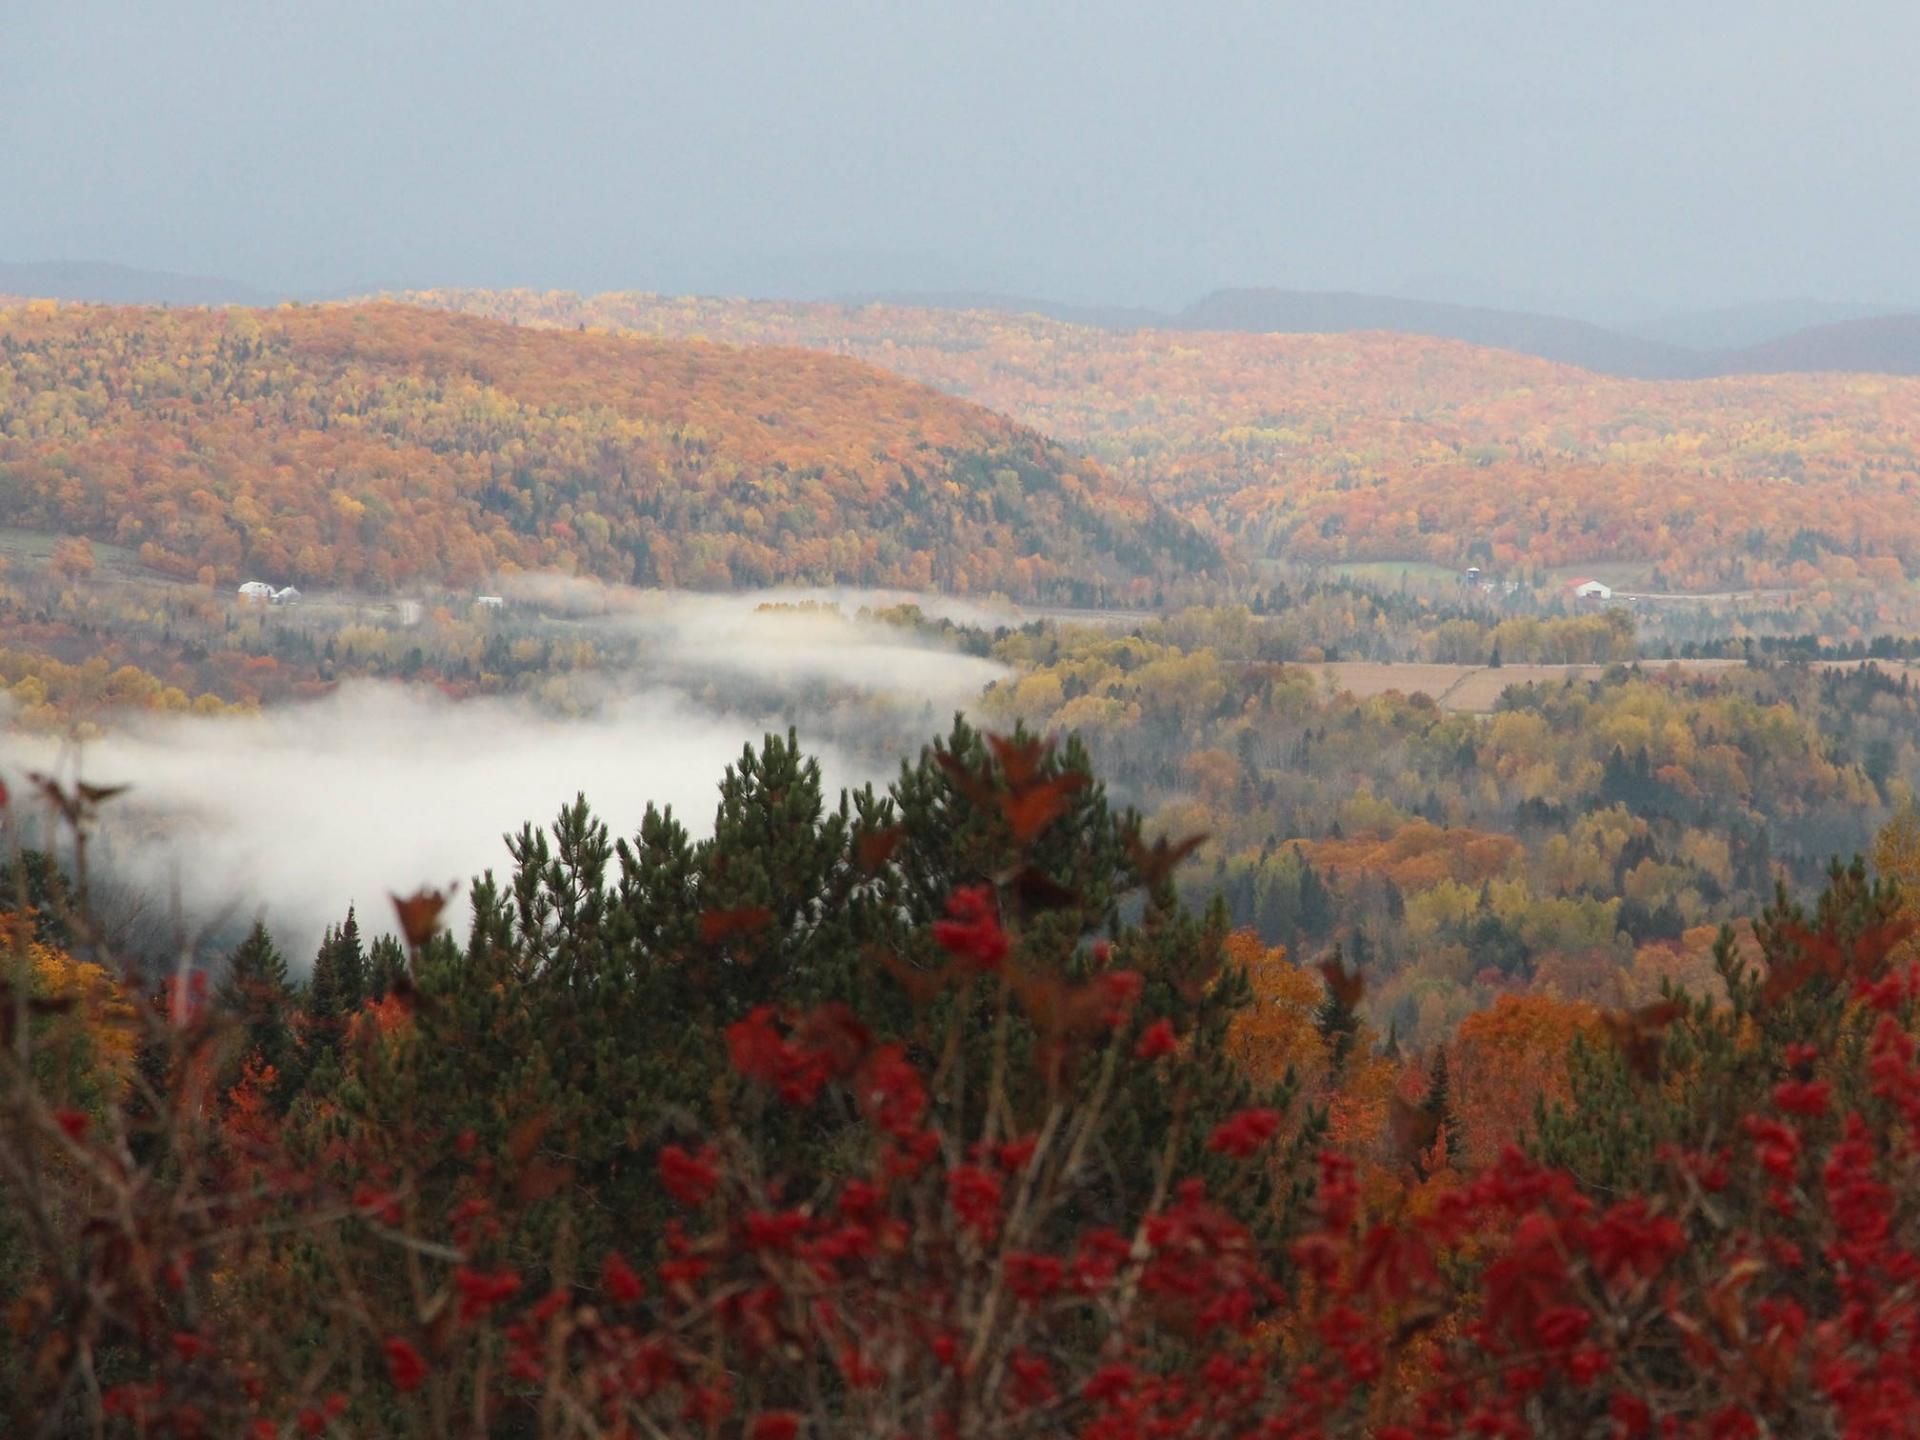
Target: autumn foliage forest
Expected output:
[1309,992]
[376,446]
[1331,448]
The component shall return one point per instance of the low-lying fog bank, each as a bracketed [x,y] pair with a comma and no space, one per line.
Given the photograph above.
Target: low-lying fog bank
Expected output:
[379,787]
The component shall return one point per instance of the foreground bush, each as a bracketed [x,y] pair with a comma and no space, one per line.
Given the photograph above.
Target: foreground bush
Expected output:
[953,1149]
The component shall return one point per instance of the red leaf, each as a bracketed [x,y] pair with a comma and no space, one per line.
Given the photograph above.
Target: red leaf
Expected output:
[1156,863]
[404,1365]
[420,914]
[922,986]
[1028,812]
[873,848]
[1641,1034]
[1020,760]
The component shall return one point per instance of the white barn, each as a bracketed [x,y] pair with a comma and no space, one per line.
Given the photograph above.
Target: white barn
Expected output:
[1591,590]
[258,591]
[287,596]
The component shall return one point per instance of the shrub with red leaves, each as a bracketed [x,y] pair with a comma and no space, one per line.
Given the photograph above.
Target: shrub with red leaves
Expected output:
[971,931]
[1156,1040]
[1242,1135]
[1717,1235]
[404,1366]
[689,1177]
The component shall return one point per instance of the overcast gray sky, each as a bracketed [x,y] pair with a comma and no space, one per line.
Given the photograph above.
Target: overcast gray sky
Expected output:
[1687,151]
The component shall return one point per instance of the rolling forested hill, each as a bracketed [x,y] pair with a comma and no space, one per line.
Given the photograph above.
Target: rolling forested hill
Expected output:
[1547,337]
[379,445]
[1375,447]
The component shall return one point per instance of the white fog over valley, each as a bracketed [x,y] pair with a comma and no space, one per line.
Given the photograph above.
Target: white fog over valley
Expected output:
[380,787]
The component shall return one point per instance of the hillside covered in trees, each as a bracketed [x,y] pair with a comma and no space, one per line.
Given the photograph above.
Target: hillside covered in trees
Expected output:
[1368,446]
[1584,841]
[377,446]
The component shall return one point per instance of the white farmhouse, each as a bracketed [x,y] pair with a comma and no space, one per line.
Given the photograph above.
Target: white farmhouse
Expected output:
[1591,590]
[286,596]
[489,602]
[257,591]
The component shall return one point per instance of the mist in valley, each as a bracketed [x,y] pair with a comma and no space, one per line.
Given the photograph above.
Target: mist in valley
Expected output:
[380,788]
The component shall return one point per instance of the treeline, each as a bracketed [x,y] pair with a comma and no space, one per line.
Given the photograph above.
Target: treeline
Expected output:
[1903,648]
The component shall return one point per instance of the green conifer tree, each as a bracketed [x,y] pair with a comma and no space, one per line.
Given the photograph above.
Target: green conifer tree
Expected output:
[324,999]
[256,991]
[1439,1105]
[386,967]
[1336,1019]
[1316,913]
[350,965]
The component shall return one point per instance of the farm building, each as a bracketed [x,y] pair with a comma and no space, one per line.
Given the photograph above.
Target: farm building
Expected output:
[258,591]
[489,602]
[1591,590]
[286,596]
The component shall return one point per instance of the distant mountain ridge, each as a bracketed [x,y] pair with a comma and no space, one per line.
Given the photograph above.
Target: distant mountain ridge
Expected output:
[98,282]
[1758,338]
[1101,317]
[1881,345]
[1548,337]
[1884,343]
[1758,322]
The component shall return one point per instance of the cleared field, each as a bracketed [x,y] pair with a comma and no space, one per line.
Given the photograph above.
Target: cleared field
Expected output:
[1389,573]
[33,549]
[1620,574]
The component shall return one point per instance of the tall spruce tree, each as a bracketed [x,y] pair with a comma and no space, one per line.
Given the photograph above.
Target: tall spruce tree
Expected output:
[1391,1049]
[321,1014]
[323,1000]
[1439,1105]
[350,965]
[386,967]
[335,991]
[257,992]
[1316,913]
[1336,1018]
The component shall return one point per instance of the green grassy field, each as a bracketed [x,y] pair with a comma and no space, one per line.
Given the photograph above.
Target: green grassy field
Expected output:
[1387,574]
[1620,574]
[33,550]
